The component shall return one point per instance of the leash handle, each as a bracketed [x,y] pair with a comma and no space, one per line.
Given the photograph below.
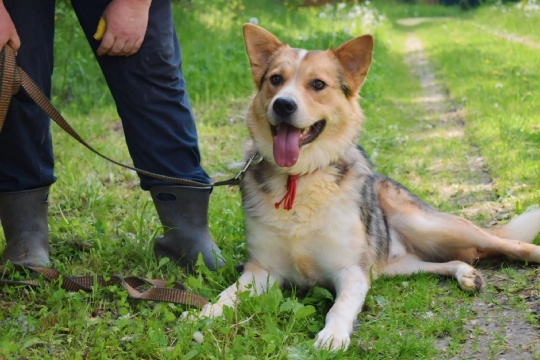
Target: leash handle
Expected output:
[10,81]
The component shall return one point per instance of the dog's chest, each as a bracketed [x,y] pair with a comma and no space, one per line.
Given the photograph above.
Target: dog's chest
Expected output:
[320,235]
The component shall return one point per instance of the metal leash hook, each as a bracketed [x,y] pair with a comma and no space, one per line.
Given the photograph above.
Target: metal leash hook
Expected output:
[253,160]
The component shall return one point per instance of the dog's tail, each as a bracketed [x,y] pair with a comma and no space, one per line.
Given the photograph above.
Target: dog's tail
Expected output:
[524,228]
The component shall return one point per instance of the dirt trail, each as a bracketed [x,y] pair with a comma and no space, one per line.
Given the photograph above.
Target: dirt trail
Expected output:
[510,37]
[507,36]
[471,187]
[500,329]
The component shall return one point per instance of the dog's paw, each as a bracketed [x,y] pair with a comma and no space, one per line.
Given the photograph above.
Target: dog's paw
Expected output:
[208,311]
[190,316]
[334,339]
[211,311]
[470,279]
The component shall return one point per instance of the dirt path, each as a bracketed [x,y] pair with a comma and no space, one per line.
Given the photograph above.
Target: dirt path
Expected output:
[501,34]
[510,37]
[500,329]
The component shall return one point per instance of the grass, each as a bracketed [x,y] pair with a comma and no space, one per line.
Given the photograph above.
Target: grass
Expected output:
[101,222]
[499,100]
[518,19]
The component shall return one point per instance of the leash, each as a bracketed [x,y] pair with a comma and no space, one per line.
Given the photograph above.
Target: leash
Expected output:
[13,78]
[137,288]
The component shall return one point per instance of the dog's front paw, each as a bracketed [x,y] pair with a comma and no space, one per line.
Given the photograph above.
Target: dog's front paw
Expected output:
[189,316]
[333,338]
[211,311]
[208,311]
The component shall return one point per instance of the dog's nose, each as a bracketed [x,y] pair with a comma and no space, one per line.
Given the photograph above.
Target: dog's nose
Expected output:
[284,106]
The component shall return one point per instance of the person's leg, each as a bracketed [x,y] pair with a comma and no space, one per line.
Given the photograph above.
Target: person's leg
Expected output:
[150,94]
[26,158]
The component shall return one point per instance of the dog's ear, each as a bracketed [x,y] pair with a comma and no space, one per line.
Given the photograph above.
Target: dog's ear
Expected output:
[355,58]
[260,45]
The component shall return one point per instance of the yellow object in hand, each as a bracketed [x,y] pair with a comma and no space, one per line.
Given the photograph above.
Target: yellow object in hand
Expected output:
[101,27]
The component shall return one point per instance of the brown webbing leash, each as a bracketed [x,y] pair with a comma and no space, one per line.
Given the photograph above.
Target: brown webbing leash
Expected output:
[13,78]
[137,288]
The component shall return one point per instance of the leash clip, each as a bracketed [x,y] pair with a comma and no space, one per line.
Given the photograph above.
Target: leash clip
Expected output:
[253,160]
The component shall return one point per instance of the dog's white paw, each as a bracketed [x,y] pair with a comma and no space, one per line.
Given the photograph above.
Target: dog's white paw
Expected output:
[188,316]
[333,338]
[469,278]
[208,311]
[211,311]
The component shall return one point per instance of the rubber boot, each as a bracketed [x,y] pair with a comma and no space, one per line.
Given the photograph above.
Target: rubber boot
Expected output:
[23,215]
[183,211]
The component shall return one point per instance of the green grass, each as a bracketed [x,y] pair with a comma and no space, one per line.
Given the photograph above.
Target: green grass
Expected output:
[101,222]
[494,80]
[518,19]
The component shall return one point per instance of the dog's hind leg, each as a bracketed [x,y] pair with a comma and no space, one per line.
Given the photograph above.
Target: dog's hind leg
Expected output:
[435,236]
[439,236]
[469,278]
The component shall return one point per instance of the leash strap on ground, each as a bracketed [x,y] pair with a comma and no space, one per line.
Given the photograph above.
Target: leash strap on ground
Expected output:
[12,78]
[137,288]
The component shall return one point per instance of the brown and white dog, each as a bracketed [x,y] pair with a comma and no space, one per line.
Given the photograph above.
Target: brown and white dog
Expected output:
[316,212]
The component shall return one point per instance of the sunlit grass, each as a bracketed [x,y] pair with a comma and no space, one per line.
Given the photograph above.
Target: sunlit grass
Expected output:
[518,19]
[495,81]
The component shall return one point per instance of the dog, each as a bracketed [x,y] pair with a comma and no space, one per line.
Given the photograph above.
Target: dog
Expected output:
[316,213]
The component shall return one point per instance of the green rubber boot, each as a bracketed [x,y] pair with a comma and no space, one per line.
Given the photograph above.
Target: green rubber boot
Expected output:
[23,215]
[183,211]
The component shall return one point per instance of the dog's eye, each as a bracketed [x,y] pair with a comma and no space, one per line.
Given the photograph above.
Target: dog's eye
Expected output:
[276,80]
[318,84]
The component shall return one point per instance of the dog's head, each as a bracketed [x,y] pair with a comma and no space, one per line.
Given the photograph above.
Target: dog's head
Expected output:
[305,114]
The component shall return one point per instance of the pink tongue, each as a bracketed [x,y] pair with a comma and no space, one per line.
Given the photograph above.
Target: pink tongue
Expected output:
[286,145]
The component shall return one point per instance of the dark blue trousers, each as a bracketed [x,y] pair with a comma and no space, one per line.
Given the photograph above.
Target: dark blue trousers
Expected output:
[148,88]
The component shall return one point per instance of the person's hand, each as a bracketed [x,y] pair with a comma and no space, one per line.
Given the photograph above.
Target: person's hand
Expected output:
[8,33]
[127,21]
